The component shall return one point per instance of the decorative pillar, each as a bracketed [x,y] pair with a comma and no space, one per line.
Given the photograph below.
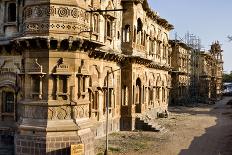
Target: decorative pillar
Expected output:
[57,86]
[155,48]
[40,86]
[31,87]
[67,91]
[153,99]
[100,100]
[70,42]
[160,95]
[126,96]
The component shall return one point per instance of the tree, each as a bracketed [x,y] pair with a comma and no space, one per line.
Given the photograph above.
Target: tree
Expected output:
[227,77]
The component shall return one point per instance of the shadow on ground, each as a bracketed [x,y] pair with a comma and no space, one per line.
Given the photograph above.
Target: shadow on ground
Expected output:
[217,140]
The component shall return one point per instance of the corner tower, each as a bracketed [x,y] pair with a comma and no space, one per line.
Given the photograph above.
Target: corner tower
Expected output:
[59,52]
[51,119]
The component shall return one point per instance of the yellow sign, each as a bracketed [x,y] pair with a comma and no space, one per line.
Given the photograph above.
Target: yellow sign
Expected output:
[77,149]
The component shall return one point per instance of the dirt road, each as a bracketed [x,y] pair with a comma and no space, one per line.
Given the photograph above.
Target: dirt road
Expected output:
[202,130]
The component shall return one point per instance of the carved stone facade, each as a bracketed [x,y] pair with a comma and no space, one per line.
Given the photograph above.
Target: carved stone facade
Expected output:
[210,73]
[181,72]
[55,56]
[145,75]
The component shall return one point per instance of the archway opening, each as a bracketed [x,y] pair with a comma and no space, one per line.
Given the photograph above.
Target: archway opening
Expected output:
[138,95]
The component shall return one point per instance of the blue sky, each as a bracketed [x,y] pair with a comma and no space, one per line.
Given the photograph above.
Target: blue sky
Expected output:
[209,19]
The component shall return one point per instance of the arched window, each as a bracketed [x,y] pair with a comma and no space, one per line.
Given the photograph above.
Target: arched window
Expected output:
[53,44]
[138,91]
[64,45]
[12,12]
[138,95]
[139,31]
[109,28]
[139,25]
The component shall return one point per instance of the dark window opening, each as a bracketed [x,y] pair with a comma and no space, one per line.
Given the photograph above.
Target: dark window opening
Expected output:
[36,84]
[150,94]
[12,12]
[95,101]
[8,102]
[53,44]
[139,25]
[83,84]
[7,140]
[64,45]
[138,91]
[63,84]
[109,28]
[118,35]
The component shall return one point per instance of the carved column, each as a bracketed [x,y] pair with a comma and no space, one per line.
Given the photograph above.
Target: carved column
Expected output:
[40,86]
[153,93]
[70,42]
[57,87]
[160,95]
[100,105]
[31,87]
[154,47]
[126,96]
[68,91]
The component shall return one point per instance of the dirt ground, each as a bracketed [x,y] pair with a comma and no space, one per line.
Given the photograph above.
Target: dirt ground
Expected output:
[199,130]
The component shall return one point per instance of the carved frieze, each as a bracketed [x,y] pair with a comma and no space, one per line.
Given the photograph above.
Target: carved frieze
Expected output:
[64,112]
[59,18]
[81,111]
[50,113]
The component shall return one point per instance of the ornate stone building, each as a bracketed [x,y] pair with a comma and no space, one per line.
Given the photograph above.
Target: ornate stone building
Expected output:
[55,56]
[210,73]
[145,75]
[196,75]
[181,72]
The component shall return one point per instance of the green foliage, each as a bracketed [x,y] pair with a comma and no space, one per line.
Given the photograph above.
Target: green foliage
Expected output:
[227,77]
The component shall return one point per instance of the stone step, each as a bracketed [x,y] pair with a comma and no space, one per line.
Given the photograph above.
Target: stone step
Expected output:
[143,123]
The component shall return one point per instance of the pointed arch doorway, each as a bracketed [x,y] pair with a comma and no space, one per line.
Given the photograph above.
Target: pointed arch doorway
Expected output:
[138,96]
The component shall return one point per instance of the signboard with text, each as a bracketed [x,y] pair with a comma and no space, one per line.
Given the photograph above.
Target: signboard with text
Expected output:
[77,149]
